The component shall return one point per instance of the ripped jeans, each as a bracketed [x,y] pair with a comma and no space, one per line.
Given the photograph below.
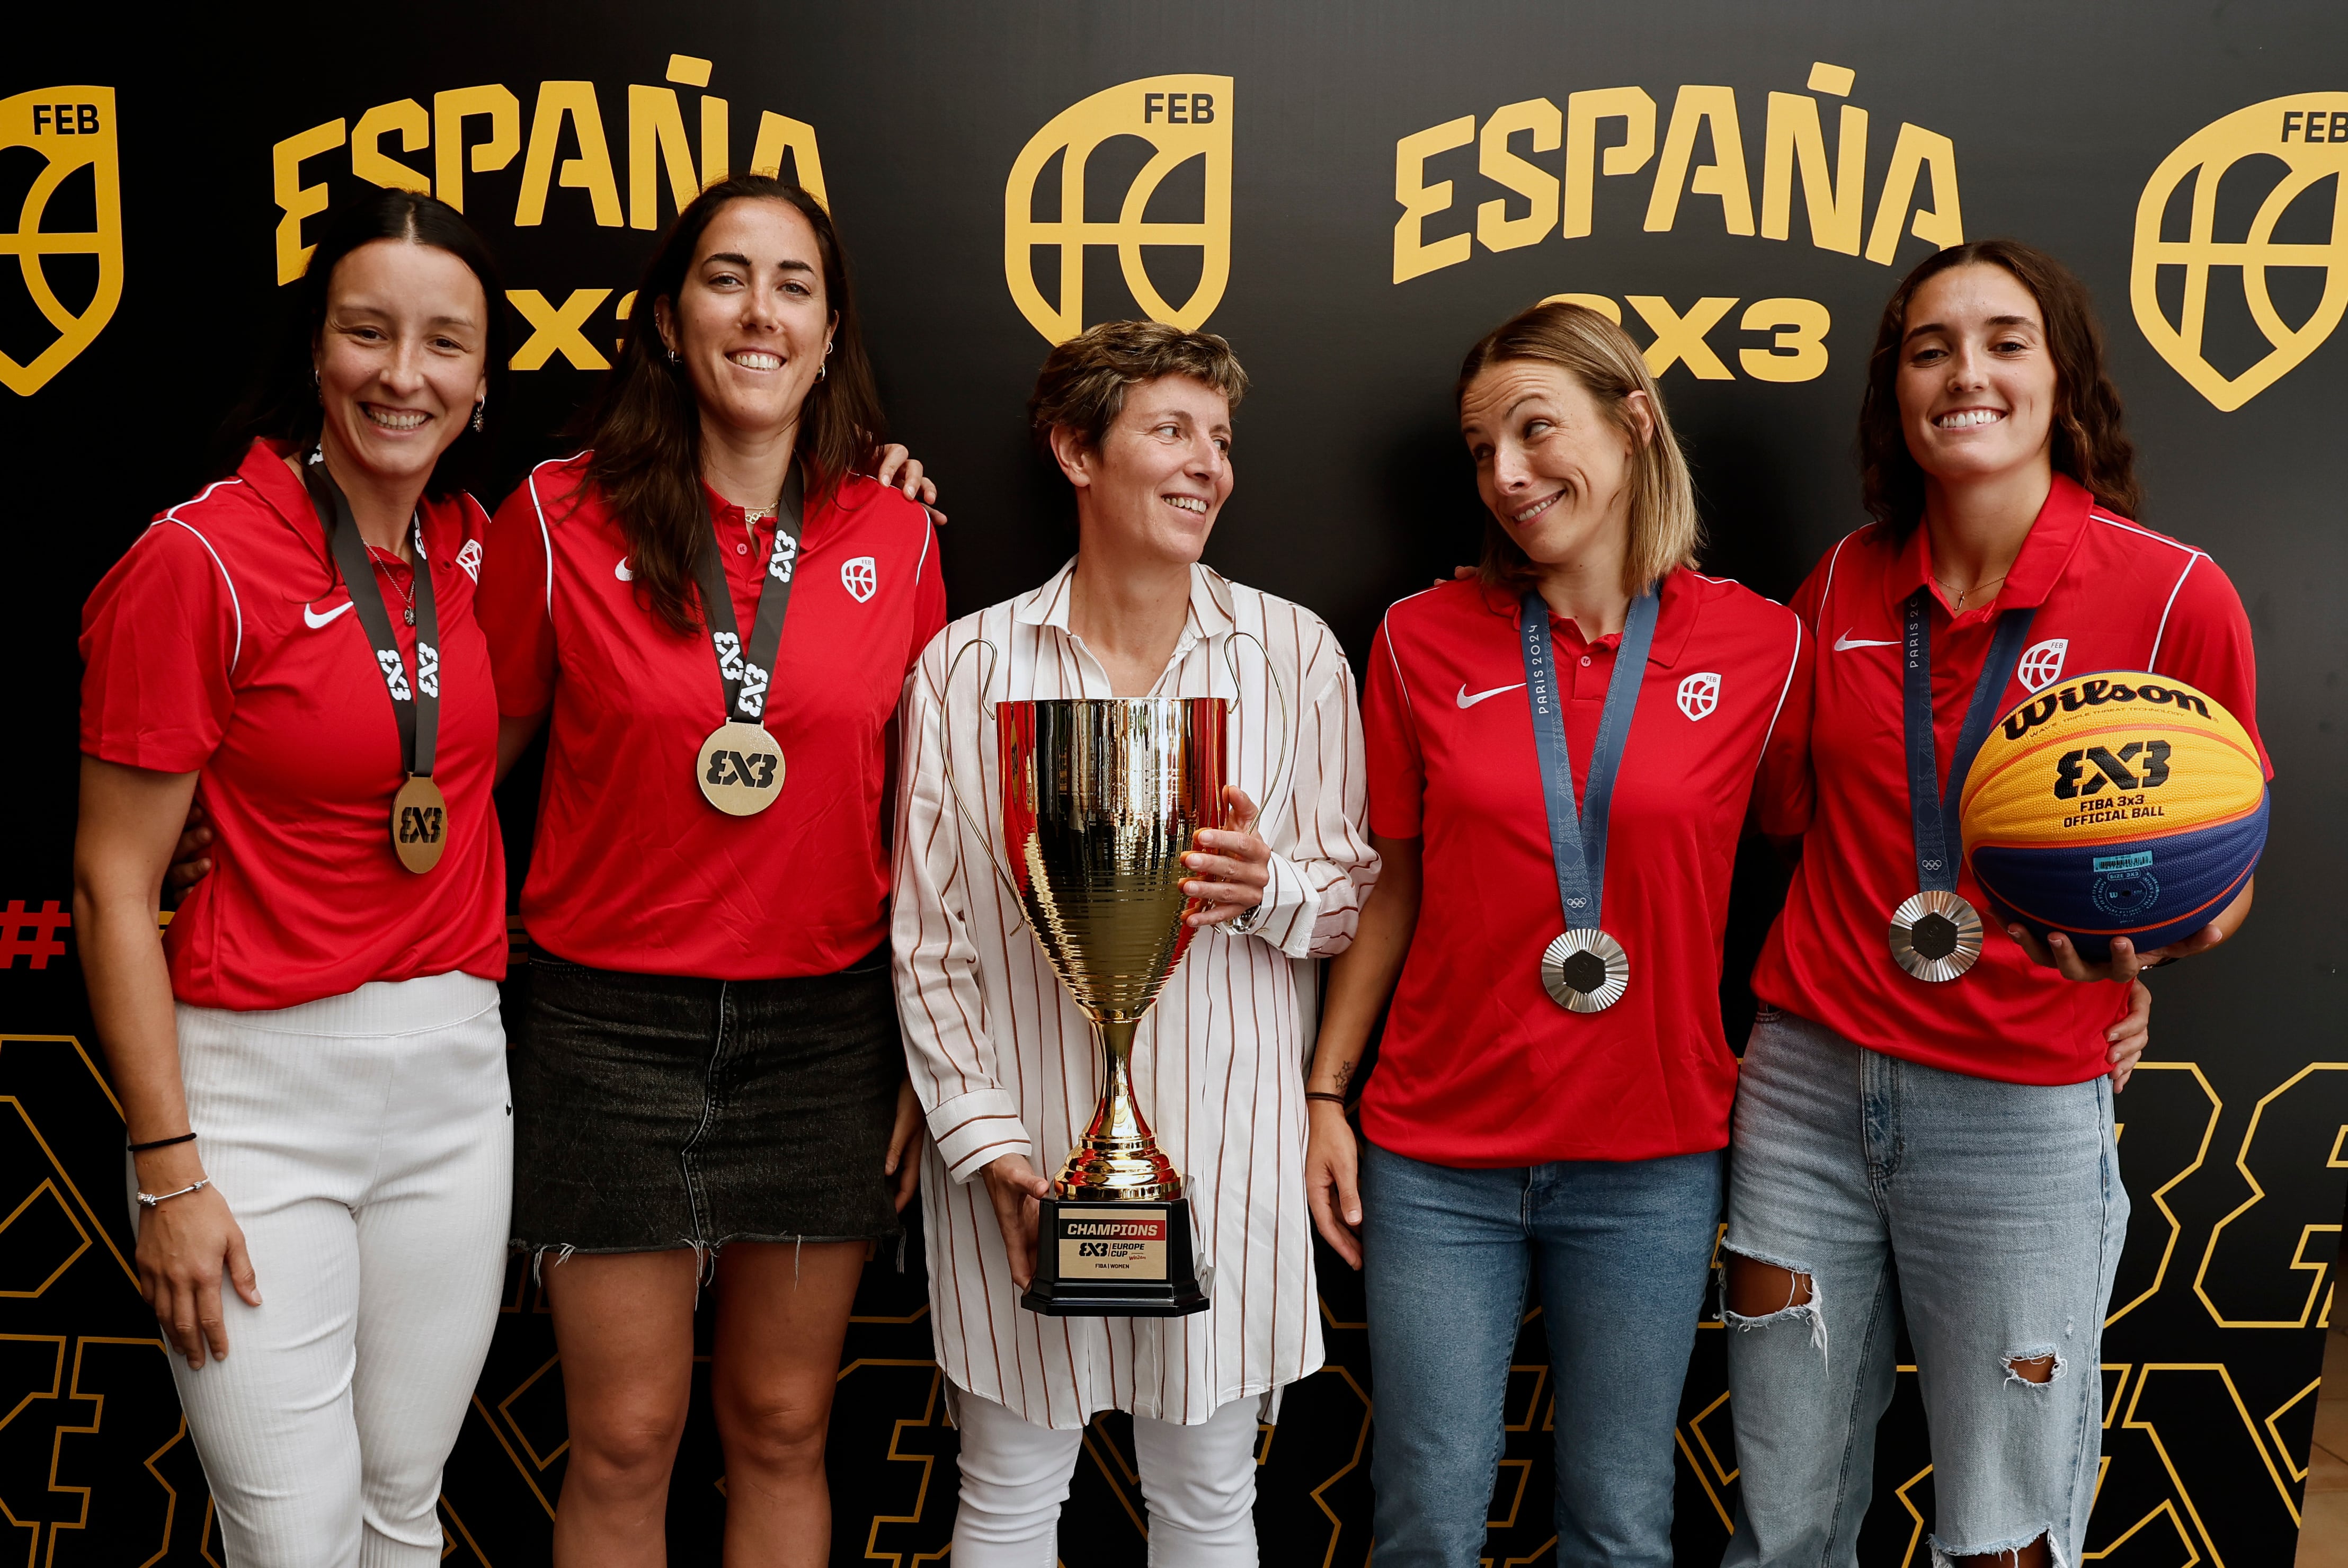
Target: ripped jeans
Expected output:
[1995,1209]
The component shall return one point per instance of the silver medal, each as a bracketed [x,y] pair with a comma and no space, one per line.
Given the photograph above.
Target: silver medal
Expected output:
[1936,935]
[1585,971]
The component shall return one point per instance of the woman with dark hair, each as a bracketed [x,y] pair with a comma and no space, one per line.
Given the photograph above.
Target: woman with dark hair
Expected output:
[713,611]
[310,1064]
[1563,754]
[1944,1126]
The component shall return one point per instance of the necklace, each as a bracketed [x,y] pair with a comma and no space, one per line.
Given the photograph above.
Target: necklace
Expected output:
[1964,593]
[381,559]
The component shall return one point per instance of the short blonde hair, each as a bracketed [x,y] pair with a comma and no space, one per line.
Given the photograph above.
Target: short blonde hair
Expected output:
[1084,381]
[1665,530]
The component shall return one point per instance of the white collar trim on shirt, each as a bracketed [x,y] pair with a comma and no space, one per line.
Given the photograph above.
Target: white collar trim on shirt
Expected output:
[1211,614]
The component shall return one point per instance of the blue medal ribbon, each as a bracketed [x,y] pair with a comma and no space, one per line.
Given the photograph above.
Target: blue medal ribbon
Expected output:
[1577,840]
[1933,806]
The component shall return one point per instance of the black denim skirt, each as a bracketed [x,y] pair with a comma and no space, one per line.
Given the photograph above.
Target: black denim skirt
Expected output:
[653,1111]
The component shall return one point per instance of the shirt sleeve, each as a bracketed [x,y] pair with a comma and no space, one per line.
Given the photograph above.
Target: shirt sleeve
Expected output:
[1322,863]
[2207,644]
[515,603]
[949,1054]
[1397,773]
[161,638]
[1783,795]
[929,596]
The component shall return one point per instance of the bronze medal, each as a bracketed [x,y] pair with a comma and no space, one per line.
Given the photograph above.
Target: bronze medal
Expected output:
[740,769]
[420,823]
[419,813]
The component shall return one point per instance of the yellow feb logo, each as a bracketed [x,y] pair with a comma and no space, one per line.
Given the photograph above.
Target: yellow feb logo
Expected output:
[73,129]
[2308,132]
[1182,118]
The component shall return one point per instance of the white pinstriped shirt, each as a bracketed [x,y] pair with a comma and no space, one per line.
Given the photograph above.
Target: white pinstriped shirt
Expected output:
[1004,1062]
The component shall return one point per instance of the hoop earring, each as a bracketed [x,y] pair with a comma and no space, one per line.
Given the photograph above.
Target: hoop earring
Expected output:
[477,408]
[674,358]
[317,385]
[821,371]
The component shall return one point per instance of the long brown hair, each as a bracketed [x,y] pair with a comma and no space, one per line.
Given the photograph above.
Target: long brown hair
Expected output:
[646,427]
[2088,442]
[1665,530]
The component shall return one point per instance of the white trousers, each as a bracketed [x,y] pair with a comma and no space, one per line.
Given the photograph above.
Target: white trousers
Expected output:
[1199,1481]
[365,1143]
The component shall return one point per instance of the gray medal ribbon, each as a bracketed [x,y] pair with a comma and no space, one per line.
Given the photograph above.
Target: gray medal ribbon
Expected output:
[747,672]
[1578,840]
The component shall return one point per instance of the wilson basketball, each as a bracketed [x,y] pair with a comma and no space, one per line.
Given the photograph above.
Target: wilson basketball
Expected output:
[2119,804]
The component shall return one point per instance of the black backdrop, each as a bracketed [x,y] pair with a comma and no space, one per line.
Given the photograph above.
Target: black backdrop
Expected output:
[1327,124]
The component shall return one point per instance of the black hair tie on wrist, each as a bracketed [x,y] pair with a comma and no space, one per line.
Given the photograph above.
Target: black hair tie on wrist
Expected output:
[1325,1094]
[162,1143]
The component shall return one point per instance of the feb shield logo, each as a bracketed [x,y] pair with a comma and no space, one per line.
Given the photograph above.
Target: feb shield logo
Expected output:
[2041,665]
[68,214]
[860,578]
[2181,252]
[1183,119]
[1700,693]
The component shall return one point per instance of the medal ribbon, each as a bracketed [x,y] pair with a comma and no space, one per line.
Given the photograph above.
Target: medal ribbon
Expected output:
[1935,815]
[745,672]
[1577,841]
[416,706]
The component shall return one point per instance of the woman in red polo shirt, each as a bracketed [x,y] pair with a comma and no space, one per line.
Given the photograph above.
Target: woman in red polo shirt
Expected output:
[310,1064]
[1952,1131]
[1563,753]
[714,614]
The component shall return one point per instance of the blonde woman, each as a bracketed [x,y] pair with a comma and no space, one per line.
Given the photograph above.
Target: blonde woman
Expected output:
[1562,753]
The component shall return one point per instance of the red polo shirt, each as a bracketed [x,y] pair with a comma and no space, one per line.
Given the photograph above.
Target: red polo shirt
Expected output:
[2110,595]
[225,642]
[1478,1065]
[632,868]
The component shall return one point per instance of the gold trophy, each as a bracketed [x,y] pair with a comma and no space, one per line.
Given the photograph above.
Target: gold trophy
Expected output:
[1101,799]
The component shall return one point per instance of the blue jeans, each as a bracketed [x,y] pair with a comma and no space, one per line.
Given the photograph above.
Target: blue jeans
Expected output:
[1995,1209]
[1623,1250]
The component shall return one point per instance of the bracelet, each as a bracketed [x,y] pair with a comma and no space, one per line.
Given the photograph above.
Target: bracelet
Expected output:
[162,1143]
[1325,1094]
[148,1199]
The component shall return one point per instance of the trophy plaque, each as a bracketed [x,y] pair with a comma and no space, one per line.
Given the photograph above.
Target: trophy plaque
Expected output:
[1101,799]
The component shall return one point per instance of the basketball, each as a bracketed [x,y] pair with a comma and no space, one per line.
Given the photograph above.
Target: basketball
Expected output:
[2119,804]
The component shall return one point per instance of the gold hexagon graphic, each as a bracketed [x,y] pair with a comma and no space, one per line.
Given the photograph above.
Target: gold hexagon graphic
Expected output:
[2279,128]
[1181,116]
[73,127]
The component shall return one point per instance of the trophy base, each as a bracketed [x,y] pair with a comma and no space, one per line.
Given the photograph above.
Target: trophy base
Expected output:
[1116,1259]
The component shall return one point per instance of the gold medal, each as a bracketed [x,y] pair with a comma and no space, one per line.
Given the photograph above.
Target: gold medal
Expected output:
[420,823]
[740,769]
[1585,971]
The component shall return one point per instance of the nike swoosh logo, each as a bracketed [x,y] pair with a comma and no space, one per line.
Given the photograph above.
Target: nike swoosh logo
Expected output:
[622,572]
[1467,702]
[1845,642]
[316,620]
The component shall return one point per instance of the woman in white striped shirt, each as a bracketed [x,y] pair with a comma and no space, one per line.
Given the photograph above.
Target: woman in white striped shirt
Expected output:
[1138,416]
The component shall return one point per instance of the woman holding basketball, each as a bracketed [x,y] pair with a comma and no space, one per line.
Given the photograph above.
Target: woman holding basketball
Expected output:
[1907,1111]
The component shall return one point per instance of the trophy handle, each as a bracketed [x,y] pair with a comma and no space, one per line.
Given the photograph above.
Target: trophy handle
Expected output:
[1271,677]
[954,788]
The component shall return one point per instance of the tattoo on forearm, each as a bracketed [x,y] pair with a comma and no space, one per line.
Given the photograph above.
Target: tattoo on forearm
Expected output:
[1344,1075]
